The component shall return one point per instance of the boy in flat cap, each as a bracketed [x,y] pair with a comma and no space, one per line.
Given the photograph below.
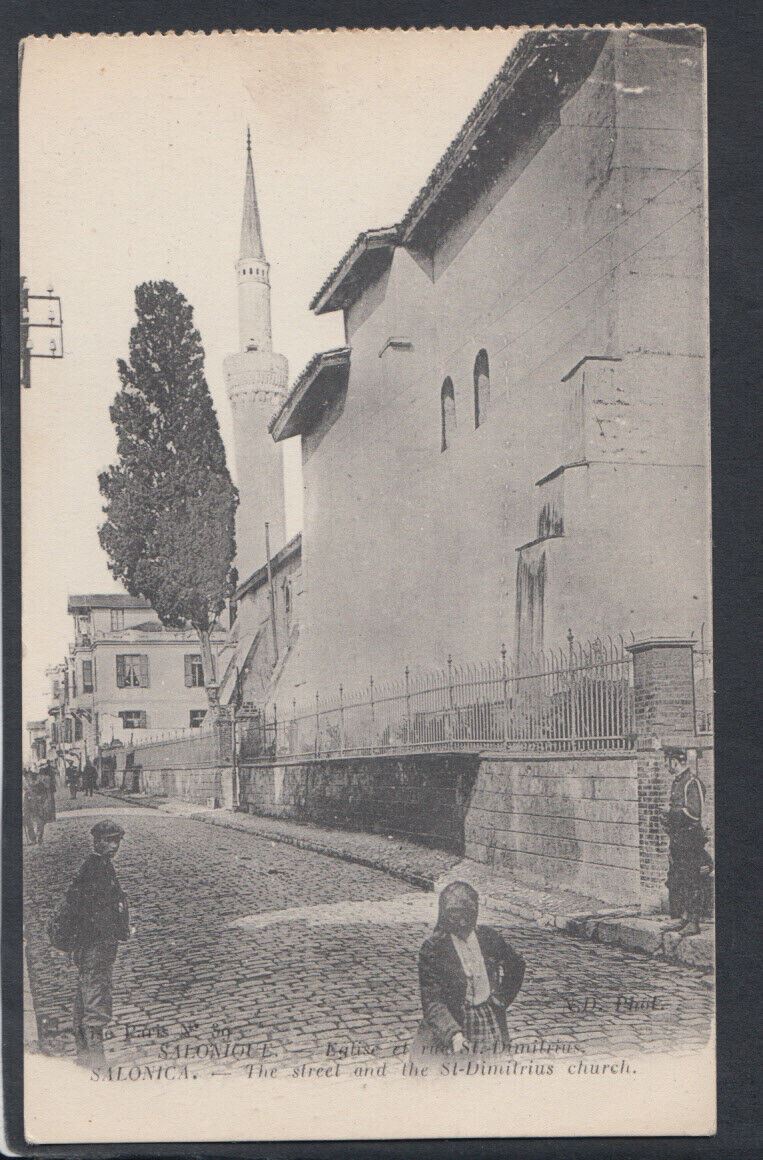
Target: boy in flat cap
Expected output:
[101,920]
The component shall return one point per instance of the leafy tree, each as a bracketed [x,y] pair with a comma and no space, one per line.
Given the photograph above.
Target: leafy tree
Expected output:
[170,502]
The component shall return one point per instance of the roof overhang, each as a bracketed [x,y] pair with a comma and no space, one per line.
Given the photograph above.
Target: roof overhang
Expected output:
[324,375]
[537,78]
[115,600]
[260,575]
[365,260]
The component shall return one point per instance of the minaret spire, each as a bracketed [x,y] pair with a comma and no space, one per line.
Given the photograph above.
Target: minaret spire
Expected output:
[256,378]
[251,230]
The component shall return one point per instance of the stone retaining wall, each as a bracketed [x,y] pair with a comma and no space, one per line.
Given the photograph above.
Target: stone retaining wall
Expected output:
[562,822]
[210,786]
[422,798]
[194,769]
[569,822]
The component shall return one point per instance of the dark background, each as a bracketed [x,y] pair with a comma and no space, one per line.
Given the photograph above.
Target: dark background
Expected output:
[735,193]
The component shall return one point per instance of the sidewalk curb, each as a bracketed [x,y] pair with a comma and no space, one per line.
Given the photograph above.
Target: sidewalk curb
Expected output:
[622,927]
[422,881]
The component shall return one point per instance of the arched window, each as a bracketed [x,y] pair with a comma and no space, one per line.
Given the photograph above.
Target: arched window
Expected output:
[447,412]
[481,388]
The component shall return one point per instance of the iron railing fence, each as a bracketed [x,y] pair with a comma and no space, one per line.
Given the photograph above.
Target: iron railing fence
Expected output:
[137,738]
[198,750]
[575,699]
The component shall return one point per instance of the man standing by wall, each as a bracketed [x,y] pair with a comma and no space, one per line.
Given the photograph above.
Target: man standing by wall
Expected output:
[101,919]
[688,859]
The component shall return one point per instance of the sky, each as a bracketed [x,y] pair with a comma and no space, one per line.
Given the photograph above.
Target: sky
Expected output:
[132,168]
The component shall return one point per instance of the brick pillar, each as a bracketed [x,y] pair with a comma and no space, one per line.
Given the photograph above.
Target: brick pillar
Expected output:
[223,732]
[223,727]
[663,680]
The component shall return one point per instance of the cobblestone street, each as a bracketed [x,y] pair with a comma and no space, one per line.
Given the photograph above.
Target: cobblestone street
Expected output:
[292,955]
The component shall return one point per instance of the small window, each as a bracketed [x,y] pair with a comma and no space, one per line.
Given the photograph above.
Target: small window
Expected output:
[132,671]
[194,671]
[67,730]
[481,388]
[133,718]
[77,728]
[447,413]
[117,619]
[87,677]
[196,716]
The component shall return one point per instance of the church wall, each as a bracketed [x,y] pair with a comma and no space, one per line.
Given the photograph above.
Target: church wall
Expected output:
[660,509]
[410,552]
[254,617]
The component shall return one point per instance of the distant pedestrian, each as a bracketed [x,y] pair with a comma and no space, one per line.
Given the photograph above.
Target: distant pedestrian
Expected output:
[96,918]
[48,770]
[89,777]
[468,976]
[26,800]
[688,861]
[36,807]
[72,778]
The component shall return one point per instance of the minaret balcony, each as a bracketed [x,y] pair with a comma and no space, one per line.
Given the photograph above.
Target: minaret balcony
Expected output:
[256,374]
[253,270]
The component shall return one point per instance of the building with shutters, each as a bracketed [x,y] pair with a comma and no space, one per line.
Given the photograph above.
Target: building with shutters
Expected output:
[38,739]
[126,676]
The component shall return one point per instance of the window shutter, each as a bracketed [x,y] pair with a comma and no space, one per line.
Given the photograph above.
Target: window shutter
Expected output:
[120,672]
[144,672]
[188,670]
[142,716]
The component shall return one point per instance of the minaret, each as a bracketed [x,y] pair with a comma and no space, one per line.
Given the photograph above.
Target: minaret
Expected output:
[256,379]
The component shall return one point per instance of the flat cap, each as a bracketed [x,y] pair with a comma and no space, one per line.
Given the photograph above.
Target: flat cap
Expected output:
[107,829]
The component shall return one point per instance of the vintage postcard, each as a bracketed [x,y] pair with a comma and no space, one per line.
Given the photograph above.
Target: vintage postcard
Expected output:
[368,788]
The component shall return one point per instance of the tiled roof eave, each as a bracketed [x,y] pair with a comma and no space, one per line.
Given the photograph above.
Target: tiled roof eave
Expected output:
[329,296]
[324,360]
[524,55]
[260,575]
[481,115]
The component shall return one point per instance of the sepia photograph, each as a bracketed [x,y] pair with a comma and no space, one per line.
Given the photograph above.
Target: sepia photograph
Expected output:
[368,782]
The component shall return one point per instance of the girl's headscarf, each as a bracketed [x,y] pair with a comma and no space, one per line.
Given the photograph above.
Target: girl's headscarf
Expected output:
[456,896]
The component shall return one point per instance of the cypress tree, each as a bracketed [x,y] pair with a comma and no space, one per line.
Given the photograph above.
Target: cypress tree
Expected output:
[170,503]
